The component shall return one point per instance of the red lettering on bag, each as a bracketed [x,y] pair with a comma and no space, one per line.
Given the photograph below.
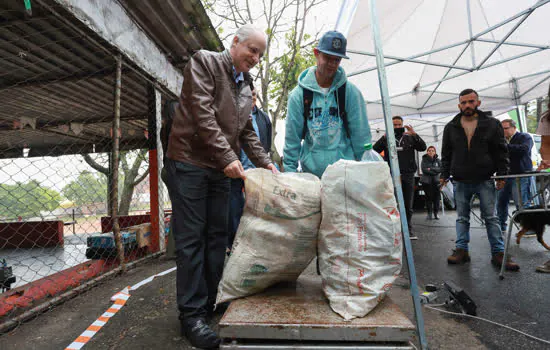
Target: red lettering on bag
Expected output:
[361,227]
[359,284]
[392,211]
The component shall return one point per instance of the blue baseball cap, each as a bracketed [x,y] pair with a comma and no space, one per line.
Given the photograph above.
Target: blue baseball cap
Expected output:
[333,43]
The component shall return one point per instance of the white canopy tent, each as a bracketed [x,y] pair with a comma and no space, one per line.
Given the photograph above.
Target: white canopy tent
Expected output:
[434,49]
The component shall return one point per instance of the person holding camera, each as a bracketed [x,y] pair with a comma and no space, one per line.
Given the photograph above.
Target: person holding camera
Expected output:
[407,142]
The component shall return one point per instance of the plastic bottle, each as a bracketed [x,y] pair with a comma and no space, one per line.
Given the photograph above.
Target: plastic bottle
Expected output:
[371,155]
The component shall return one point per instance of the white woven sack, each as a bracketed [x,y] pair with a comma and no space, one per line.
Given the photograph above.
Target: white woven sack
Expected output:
[360,242]
[448,193]
[277,236]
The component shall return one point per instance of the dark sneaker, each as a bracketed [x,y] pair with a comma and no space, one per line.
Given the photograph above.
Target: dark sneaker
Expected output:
[509,266]
[435,216]
[459,256]
[199,334]
[544,268]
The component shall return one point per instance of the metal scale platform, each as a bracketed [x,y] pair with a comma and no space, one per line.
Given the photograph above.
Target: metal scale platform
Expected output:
[298,316]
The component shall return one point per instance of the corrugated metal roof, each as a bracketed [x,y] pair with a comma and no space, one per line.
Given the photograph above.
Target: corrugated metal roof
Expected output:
[54,75]
[180,27]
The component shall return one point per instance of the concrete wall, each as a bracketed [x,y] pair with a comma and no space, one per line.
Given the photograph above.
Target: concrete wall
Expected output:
[109,19]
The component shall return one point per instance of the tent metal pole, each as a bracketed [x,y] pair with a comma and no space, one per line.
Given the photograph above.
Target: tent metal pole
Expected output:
[515,92]
[456,97]
[540,47]
[424,86]
[460,74]
[456,76]
[534,74]
[411,57]
[463,73]
[455,94]
[514,43]
[508,20]
[345,16]
[503,83]
[396,174]
[516,26]
[445,76]
[393,104]
[512,58]
[534,86]
[472,50]
[413,60]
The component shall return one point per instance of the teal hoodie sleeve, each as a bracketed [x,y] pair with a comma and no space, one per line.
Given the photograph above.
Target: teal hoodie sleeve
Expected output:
[359,128]
[294,130]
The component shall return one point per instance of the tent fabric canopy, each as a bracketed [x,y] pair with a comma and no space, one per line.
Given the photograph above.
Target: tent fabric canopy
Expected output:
[434,49]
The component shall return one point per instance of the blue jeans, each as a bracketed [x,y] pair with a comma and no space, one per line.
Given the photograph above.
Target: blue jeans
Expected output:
[486,192]
[508,191]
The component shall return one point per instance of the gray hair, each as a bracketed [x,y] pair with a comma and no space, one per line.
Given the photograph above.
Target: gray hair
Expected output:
[244,32]
[511,122]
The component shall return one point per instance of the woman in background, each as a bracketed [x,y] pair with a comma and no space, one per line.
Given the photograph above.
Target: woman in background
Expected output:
[431,168]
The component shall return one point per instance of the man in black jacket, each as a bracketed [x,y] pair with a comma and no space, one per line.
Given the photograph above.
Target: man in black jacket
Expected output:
[474,149]
[407,142]
[262,126]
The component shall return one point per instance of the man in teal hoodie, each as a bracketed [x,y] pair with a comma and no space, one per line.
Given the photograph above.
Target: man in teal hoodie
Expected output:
[335,126]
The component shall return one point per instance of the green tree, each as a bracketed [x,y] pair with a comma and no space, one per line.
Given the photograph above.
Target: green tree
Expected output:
[284,74]
[27,199]
[87,188]
[289,47]
[134,168]
[535,109]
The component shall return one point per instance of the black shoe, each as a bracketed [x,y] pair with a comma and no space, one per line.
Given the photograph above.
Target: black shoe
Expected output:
[435,216]
[199,334]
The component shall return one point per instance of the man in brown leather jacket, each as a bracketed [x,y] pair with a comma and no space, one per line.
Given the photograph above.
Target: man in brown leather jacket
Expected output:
[210,127]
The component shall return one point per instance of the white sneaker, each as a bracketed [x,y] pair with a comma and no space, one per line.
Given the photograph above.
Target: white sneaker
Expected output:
[544,268]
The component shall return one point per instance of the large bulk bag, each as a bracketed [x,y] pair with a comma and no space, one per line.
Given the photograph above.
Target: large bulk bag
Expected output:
[277,236]
[360,243]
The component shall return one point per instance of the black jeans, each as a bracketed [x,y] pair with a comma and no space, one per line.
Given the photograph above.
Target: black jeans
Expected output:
[407,183]
[432,197]
[200,207]
[236,209]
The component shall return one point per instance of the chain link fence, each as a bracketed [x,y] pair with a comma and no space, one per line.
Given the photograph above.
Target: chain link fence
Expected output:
[79,183]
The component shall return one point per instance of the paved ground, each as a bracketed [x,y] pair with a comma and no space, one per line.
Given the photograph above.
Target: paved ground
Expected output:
[520,300]
[149,320]
[35,263]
